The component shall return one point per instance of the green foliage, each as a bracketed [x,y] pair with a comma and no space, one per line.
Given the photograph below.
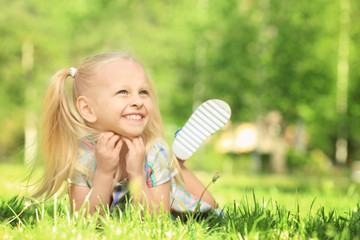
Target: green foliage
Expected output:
[258,55]
[245,219]
[255,206]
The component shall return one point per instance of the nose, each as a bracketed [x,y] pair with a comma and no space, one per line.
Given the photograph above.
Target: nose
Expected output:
[136,101]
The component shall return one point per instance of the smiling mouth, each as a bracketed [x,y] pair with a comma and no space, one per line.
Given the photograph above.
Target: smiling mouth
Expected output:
[133,117]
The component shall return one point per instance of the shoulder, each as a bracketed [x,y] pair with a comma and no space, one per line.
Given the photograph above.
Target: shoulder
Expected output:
[157,165]
[86,151]
[159,148]
[85,163]
[86,144]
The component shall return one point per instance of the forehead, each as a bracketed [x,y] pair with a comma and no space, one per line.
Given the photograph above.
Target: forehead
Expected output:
[123,71]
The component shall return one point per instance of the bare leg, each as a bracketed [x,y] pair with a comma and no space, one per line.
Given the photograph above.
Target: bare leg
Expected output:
[209,117]
[195,187]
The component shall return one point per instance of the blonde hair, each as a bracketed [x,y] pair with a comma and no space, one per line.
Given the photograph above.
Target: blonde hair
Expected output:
[63,126]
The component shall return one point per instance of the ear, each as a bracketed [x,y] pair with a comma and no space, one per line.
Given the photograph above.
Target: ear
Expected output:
[85,109]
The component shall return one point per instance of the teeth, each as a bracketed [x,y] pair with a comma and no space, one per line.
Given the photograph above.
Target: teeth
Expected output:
[133,117]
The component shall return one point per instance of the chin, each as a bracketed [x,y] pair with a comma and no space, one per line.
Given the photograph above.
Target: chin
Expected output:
[131,136]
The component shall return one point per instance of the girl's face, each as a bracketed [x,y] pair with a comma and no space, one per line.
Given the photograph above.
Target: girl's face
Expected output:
[121,100]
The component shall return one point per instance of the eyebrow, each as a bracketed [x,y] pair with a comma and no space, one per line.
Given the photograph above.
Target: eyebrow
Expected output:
[126,87]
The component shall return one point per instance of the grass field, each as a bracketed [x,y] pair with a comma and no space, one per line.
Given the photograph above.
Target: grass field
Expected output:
[256,207]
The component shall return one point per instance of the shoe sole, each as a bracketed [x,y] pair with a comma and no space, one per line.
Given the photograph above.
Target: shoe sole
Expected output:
[209,117]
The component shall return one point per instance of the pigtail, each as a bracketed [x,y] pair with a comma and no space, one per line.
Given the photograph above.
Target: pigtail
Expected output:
[60,136]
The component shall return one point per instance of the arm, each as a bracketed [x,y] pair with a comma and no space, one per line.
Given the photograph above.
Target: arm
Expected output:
[107,156]
[101,189]
[153,198]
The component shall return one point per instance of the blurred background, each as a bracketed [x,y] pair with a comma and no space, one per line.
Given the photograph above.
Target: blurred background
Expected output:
[288,69]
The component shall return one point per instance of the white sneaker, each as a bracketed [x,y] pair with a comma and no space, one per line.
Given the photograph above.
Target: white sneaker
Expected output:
[209,117]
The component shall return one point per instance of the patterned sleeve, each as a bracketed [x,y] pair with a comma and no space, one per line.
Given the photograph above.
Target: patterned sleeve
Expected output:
[158,164]
[85,165]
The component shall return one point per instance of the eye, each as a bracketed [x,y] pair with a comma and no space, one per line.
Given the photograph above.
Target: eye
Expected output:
[144,92]
[122,92]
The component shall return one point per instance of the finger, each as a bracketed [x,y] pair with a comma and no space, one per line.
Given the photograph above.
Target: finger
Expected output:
[119,145]
[141,140]
[129,143]
[113,140]
[104,137]
[135,141]
[139,143]
[108,135]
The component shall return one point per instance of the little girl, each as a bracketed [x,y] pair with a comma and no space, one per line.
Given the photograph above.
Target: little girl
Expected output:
[106,139]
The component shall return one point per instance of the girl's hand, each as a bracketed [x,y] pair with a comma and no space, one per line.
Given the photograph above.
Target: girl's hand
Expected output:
[107,152]
[135,157]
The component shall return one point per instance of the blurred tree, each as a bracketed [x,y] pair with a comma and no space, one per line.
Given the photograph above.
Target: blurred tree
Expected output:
[259,55]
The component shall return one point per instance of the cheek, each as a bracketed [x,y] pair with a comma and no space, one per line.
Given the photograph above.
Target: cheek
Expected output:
[149,107]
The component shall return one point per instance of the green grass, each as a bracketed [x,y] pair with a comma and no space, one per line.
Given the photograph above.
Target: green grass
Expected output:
[256,207]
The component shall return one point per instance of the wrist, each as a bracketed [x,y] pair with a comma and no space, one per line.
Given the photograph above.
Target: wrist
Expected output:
[138,176]
[137,183]
[104,176]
